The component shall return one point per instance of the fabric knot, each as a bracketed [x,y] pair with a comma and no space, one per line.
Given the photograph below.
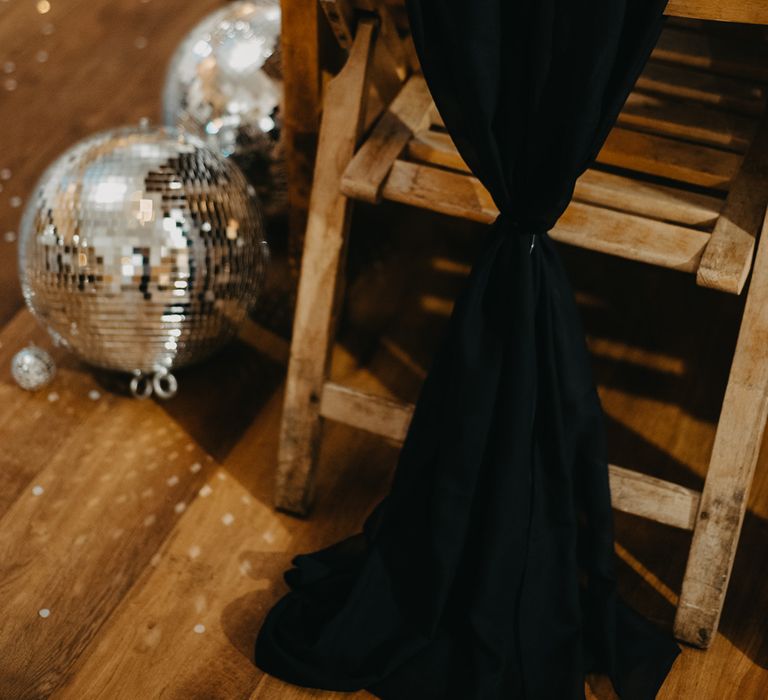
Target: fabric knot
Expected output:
[514,227]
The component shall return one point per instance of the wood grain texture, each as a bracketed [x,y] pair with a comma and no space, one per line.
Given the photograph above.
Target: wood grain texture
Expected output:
[596,228]
[619,192]
[634,151]
[322,273]
[670,204]
[631,237]
[300,64]
[741,96]
[409,112]
[687,120]
[669,158]
[749,11]
[656,499]
[728,257]
[734,456]
[199,600]
[365,411]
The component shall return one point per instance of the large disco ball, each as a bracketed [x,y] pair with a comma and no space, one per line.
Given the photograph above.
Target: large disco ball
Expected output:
[142,250]
[224,83]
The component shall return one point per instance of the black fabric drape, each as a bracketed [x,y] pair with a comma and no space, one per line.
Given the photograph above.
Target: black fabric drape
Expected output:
[488,570]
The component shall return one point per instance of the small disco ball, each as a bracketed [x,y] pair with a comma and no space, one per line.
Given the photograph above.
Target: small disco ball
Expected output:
[142,250]
[225,84]
[32,368]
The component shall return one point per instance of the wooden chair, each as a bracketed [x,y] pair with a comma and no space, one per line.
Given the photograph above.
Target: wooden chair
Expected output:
[681,182]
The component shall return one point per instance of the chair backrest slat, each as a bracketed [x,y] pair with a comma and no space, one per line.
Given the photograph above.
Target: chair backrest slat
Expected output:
[747,11]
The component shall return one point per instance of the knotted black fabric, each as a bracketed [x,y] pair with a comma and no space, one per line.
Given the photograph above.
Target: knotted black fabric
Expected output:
[488,570]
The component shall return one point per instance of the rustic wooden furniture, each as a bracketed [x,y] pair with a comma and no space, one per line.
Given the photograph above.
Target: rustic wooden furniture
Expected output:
[682,182]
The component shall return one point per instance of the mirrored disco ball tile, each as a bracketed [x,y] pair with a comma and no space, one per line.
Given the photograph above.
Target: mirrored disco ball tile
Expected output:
[142,249]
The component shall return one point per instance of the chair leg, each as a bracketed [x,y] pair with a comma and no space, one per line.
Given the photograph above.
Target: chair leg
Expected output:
[321,281]
[731,468]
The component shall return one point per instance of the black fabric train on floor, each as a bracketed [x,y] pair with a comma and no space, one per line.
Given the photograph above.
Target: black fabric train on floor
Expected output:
[488,570]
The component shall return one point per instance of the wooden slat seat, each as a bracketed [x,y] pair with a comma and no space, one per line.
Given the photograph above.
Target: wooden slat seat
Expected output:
[657,190]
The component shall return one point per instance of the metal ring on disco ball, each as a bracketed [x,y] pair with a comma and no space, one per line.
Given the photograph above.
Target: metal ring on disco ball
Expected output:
[140,385]
[164,384]
[141,248]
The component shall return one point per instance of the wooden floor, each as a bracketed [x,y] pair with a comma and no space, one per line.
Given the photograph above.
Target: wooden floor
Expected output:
[138,548]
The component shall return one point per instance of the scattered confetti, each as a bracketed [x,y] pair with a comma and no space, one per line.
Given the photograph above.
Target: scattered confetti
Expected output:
[196,467]
[227,519]
[180,507]
[172,480]
[53,396]
[94,395]
[44,612]
[37,490]
[9,236]
[194,552]
[205,491]
[150,520]
[246,567]
[199,629]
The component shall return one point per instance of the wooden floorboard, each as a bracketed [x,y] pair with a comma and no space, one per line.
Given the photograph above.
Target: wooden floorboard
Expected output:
[131,523]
